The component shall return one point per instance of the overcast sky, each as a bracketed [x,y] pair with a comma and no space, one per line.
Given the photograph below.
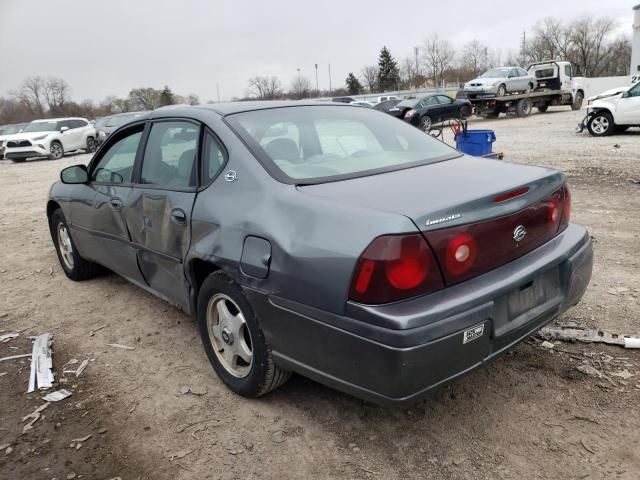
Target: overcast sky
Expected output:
[103,47]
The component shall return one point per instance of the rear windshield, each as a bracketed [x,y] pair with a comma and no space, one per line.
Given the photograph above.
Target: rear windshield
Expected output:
[545,72]
[313,144]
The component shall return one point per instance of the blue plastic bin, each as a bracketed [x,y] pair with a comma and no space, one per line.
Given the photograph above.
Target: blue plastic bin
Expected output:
[476,142]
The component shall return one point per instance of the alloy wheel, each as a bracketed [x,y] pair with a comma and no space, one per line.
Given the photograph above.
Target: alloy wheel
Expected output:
[600,124]
[229,335]
[65,246]
[425,123]
[56,150]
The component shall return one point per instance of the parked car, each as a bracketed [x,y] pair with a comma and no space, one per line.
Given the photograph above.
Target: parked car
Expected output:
[613,111]
[426,111]
[6,131]
[51,138]
[111,123]
[343,99]
[266,221]
[362,103]
[384,98]
[386,105]
[500,81]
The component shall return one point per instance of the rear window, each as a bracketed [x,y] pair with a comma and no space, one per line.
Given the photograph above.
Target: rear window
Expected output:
[313,144]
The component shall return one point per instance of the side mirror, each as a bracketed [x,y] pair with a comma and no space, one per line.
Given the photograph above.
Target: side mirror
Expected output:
[63,129]
[75,174]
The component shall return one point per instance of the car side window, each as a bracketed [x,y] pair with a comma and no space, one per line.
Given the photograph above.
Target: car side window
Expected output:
[635,91]
[522,72]
[64,123]
[567,70]
[429,102]
[444,100]
[513,73]
[213,158]
[170,155]
[116,165]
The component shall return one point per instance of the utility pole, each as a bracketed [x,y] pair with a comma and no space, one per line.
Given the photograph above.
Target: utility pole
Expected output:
[524,48]
[218,90]
[317,88]
[416,50]
[330,89]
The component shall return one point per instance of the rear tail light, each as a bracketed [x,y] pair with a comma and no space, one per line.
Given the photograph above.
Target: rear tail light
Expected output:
[409,113]
[395,267]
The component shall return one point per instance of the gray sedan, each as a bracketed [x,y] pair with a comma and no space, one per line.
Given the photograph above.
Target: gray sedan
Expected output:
[327,240]
[500,81]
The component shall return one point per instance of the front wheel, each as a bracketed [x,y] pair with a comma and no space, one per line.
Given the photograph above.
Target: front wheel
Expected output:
[75,267]
[56,151]
[577,101]
[601,124]
[233,339]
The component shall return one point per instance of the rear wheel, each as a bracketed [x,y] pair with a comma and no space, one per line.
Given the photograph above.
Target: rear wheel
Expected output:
[55,150]
[502,90]
[601,124]
[577,101]
[425,123]
[523,107]
[74,266]
[529,88]
[233,339]
[91,145]
[465,111]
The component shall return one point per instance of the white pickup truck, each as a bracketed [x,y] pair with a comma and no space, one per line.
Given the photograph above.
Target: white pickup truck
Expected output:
[613,111]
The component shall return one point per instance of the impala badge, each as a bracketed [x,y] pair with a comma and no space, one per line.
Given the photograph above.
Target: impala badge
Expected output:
[519,233]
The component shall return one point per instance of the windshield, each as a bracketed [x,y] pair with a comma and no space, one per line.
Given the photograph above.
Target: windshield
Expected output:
[312,144]
[41,127]
[495,73]
[10,129]
[118,120]
[101,122]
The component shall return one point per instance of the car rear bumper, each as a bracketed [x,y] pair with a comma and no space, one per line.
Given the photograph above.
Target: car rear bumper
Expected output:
[396,354]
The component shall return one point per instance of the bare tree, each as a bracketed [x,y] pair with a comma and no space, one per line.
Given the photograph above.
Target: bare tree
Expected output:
[551,40]
[474,58]
[144,98]
[370,77]
[32,95]
[300,87]
[265,88]
[193,99]
[57,93]
[588,38]
[408,71]
[438,56]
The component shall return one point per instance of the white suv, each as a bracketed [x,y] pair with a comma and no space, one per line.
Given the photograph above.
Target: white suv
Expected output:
[51,138]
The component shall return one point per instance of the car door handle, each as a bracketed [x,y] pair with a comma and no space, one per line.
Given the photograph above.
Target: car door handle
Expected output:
[116,203]
[178,216]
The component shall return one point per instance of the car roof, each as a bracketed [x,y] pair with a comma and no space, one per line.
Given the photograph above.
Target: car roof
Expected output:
[229,108]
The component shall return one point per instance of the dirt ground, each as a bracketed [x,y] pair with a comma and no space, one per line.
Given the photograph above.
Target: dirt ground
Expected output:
[530,415]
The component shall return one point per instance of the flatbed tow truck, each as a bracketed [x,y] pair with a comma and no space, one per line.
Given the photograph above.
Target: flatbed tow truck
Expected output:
[557,85]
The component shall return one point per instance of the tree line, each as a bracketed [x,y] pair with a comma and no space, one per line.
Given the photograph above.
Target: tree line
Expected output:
[39,97]
[587,42]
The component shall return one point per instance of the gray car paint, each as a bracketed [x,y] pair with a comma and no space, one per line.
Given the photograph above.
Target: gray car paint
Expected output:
[314,233]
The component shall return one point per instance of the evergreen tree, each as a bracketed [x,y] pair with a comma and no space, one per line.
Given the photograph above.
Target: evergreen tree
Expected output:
[167,97]
[388,72]
[354,87]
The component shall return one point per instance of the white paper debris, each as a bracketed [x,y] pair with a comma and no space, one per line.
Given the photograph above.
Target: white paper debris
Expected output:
[14,357]
[8,337]
[34,417]
[57,396]
[78,370]
[117,345]
[83,439]
[41,364]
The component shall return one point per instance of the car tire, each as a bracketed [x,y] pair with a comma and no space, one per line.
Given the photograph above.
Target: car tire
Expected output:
[523,107]
[601,124]
[56,150]
[501,91]
[543,108]
[465,111]
[577,101]
[426,123]
[91,145]
[231,335]
[74,266]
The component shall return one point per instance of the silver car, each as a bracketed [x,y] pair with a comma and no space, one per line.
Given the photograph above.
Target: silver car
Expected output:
[500,81]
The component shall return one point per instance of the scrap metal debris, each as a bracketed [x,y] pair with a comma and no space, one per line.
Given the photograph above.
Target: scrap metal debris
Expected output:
[80,440]
[34,416]
[13,357]
[78,370]
[588,335]
[57,395]
[8,337]
[93,332]
[41,363]
[117,345]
